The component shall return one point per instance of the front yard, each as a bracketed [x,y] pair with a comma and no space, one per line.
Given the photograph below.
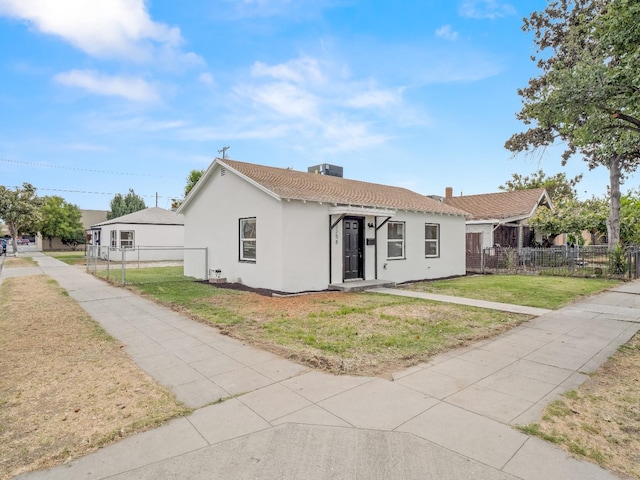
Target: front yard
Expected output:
[529,290]
[358,333]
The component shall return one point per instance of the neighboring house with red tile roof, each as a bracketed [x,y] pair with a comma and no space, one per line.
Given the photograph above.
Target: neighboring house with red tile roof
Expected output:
[294,231]
[499,218]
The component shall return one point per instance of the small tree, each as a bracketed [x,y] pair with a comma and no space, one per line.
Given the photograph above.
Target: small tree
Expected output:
[75,239]
[192,179]
[20,209]
[60,219]
[571,216]
[557,186]
[123,205]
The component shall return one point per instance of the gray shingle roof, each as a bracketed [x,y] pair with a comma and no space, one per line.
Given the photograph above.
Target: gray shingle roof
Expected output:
[148,216]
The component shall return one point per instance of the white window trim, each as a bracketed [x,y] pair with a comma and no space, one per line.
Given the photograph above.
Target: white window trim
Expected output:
[432,240]
[133,239]
[245,240]
[113,238]
[395,240]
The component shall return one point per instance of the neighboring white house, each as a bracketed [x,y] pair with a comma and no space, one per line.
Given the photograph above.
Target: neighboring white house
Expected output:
[151,227]
[294,231]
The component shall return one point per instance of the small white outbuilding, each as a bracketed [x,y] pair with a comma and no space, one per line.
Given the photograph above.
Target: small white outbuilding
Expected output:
[151,228]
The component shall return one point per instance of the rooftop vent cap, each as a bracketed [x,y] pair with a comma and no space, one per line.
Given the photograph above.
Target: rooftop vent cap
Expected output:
[326,169]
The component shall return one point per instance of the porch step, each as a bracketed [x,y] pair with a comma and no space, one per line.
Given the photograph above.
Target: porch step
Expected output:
[361,285]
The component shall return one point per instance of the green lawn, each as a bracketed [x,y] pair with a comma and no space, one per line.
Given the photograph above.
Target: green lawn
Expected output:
[356,333]
[533,291]
[70,258]
[359,333]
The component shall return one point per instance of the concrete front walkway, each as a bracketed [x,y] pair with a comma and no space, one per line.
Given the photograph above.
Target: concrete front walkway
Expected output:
[450,418]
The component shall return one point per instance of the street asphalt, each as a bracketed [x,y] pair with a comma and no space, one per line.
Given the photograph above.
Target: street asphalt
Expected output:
[450,418]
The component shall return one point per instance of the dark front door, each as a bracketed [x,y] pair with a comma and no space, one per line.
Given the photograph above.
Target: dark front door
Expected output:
[352,241]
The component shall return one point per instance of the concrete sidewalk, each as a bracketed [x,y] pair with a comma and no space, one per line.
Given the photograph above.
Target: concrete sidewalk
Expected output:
[449,418]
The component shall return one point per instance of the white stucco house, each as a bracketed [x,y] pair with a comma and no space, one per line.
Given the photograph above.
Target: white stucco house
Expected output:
[294,231]
[152,230]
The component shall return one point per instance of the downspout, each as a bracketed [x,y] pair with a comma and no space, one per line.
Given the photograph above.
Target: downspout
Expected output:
[378,227]
[330,252]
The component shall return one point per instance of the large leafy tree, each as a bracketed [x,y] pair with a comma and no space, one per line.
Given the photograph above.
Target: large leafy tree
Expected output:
[630,218]
[587,92]
[557,186]
[20,209]
[125,204]
[60,219]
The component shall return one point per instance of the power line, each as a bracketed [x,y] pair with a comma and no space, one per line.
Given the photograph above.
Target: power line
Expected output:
[48,165]
[96,193]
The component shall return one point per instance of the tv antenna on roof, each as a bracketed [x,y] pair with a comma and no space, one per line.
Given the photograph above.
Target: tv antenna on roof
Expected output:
[223,151]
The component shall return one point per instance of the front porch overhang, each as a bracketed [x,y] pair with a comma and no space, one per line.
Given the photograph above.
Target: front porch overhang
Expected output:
[361,211]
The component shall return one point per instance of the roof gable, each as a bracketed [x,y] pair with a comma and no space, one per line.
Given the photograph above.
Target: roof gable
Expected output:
[290,184]
[517,204]
[148,216]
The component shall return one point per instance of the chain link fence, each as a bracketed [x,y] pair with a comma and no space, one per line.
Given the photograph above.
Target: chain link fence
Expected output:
[139,265]
[587,261]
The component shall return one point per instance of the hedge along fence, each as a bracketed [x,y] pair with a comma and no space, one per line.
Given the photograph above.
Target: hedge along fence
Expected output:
[588,261]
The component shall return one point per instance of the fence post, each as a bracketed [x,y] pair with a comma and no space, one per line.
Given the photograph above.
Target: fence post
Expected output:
[123,253]
[206,263]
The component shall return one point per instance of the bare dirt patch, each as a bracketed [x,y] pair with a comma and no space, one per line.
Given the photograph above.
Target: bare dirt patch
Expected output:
[601,419]
[342,333]
[66,388]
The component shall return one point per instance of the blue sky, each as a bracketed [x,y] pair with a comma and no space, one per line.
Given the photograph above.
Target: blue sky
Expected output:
[103,96]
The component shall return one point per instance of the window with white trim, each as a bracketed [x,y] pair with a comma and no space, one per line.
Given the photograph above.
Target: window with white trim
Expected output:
[248,239]
[127,238]
[113,238]
[431,240]
[395,240]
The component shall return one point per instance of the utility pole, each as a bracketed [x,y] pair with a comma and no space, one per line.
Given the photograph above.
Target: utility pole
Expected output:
[223,151]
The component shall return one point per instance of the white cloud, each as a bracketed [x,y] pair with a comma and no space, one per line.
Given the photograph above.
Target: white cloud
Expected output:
[86,147]
[298,70]
[375,98]
[447,33]
[131,88]
[277,8]
[283,98]
[207,79]
[104,28]
[485,9]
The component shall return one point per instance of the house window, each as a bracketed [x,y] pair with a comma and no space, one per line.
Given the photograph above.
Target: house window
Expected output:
[126,239]
[431,240]
[395,240]
[113,238]
[248,239]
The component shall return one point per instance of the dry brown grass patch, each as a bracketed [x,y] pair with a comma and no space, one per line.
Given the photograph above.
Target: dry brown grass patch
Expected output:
[67,388]
[16,262]
[601,419]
